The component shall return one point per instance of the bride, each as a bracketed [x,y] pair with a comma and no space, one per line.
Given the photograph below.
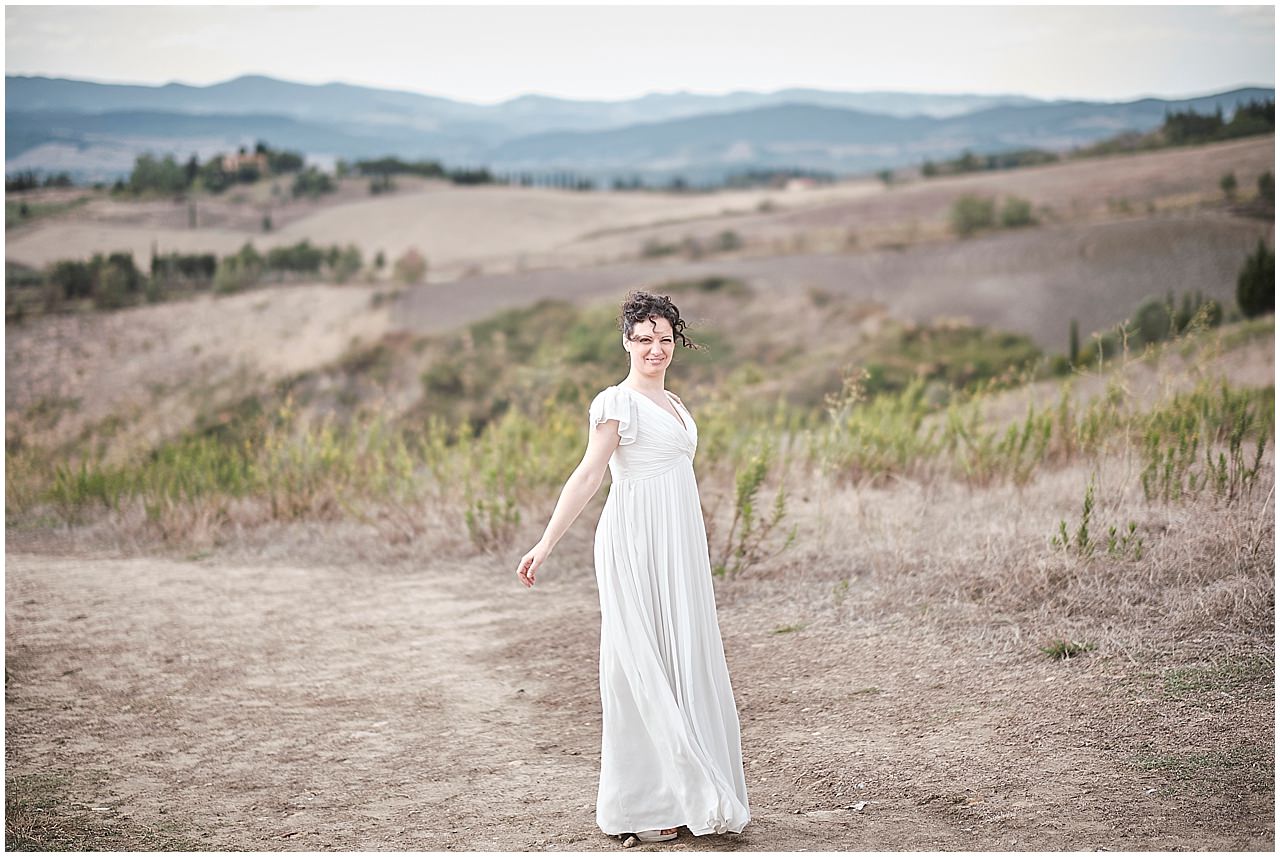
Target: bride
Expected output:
[670,741]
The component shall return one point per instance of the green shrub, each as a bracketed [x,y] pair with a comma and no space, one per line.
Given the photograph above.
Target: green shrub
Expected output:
[1176,435]
[749,539]
[1016,212]
[728,241]
[300,258]
[653,248]
[234,276]
[347,264]
[312,182]
[1228,184]
[970,213]
[706,285]
[113,291]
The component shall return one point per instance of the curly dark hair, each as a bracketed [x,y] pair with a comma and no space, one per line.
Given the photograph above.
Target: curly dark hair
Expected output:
[642,306]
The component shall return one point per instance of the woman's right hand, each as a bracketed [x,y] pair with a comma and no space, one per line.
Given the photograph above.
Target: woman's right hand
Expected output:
[529,563]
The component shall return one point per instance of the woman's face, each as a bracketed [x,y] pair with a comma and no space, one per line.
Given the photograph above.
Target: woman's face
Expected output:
[651,346]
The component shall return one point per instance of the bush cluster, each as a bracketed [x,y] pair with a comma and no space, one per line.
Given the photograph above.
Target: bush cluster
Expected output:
[1155,320]
[114,280]
[971,213]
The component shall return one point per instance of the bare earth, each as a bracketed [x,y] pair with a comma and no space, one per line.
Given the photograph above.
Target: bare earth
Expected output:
[316,688]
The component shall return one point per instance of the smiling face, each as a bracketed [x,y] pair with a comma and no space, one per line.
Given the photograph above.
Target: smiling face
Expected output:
[651,347]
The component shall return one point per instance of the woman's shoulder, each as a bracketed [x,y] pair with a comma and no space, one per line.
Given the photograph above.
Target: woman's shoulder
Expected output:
[611,398]
[612,403]
[613,391]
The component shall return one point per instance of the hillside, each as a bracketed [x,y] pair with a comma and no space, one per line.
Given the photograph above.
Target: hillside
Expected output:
[501,229]
[158,367]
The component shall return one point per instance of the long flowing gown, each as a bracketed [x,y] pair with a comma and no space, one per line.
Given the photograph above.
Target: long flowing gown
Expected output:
[670,749]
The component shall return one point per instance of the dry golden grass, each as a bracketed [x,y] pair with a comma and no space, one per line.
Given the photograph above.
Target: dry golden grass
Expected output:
[141,375]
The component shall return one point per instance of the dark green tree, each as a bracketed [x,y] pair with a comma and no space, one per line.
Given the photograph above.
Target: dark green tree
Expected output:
[1153,321]
[1256,284]
[1182,317]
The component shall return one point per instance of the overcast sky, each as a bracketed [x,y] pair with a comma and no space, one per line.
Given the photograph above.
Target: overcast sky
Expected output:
[487,54]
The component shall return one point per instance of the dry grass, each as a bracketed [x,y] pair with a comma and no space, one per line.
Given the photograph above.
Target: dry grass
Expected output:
[60,811]
[137,376]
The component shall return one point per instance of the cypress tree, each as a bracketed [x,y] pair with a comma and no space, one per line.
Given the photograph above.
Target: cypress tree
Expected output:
[1256,285]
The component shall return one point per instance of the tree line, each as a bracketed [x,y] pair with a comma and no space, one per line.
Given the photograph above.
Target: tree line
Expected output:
[29,180]
[167,176]
[1180,128]
[114,280]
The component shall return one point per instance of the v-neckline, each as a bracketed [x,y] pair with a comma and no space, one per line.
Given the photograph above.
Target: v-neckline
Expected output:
[679,419]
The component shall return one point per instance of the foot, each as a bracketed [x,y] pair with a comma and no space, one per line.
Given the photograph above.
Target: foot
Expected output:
[657,835]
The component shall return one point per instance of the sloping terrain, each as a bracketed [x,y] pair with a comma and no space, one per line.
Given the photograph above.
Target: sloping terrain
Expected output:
[501,229]
[155,367]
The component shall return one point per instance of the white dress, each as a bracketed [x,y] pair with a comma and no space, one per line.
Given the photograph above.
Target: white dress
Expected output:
[670,749]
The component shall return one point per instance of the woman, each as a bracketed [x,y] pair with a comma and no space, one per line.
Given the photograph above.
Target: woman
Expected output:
[670,747]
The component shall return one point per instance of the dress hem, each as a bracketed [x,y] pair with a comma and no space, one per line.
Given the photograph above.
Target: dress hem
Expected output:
[696,831]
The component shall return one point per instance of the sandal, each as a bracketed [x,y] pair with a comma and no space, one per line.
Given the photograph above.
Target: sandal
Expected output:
[657,835]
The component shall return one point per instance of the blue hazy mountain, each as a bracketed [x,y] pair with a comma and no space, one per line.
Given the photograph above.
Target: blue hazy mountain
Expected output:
[95,129]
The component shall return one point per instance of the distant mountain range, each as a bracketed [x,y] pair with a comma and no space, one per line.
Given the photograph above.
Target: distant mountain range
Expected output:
[94,130]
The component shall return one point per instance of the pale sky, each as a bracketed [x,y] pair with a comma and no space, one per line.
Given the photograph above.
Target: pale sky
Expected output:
[490,53]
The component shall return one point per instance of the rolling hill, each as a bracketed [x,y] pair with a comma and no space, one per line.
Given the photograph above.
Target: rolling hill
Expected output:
[95,130]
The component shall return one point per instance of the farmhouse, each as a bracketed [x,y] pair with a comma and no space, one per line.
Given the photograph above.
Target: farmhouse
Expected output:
[232,163]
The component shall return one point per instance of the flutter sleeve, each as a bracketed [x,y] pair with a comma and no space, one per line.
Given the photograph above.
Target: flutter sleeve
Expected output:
[615,404]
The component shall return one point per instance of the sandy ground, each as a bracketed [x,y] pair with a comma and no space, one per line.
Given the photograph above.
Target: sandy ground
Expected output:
[315,688]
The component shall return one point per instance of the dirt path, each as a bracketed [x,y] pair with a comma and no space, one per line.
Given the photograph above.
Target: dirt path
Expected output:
[278,707]
[217,704]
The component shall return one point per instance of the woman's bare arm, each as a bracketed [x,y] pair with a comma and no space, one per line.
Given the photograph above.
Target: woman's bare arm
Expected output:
[580,487]
[583,482]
